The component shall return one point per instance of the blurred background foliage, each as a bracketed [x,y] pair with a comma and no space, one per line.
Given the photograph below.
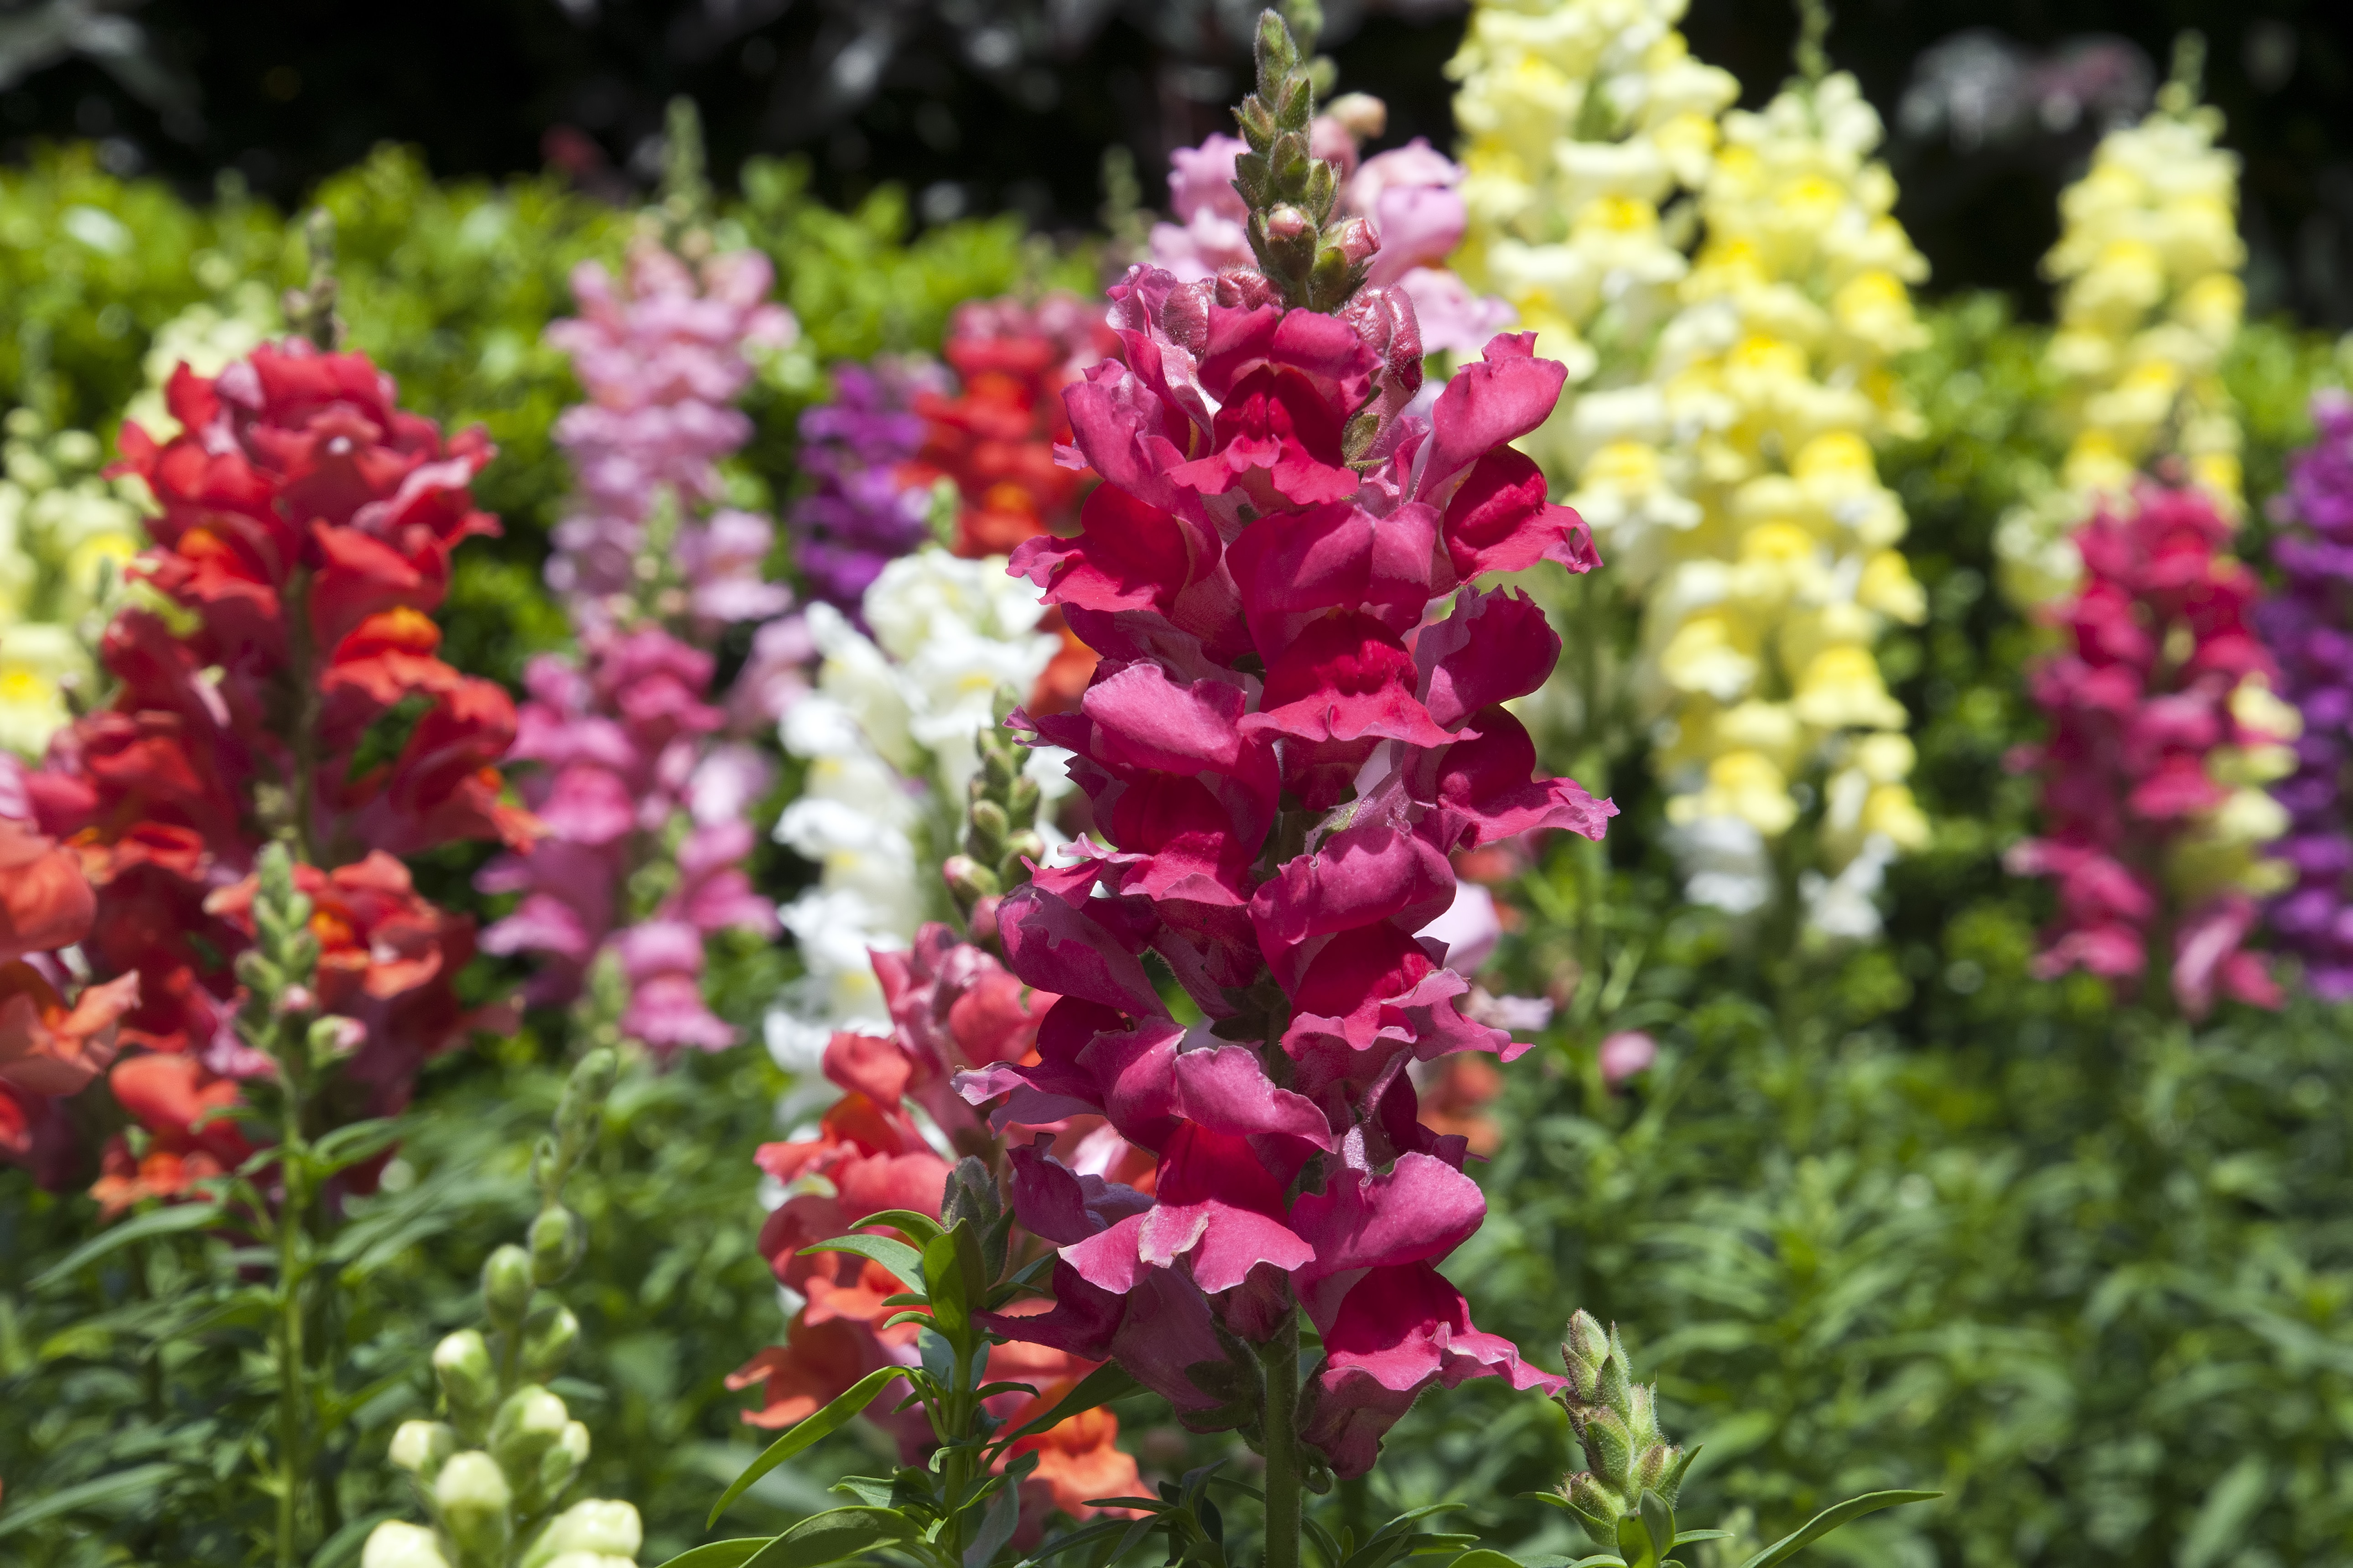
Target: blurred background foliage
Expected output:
[1899,1216]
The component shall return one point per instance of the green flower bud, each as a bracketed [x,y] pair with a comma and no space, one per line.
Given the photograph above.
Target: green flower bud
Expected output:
[598,1528]
[559,1238]
[968,880]
[393,1545]
[468,1382]
[477,1505]
[1597,1507]
[419,1446]
[547,1341]
[529,1421]
[560,1465]
[584,1094]
[985,838]
[507,1286]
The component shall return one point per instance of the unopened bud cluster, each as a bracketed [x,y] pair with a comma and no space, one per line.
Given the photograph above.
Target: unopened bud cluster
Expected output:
[493,1473]
[1312,260]
[1617,1424]
[1000,829]
[279,972]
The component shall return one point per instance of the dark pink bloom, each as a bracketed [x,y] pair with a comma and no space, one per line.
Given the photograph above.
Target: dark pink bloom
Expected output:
[2151,685]
[1282,748]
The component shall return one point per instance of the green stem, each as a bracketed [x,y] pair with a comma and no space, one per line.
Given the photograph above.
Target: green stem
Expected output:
[1280,1359]
[291,1208]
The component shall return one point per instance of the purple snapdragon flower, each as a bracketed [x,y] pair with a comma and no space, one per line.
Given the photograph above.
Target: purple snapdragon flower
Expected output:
[868,507]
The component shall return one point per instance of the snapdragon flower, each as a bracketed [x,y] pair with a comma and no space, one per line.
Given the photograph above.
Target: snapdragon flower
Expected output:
[643,799]
[2309,626]
[868,507]
[2148,300]
[2164,730]
[1585,121]
[305,527]
[1759,633]
[887,734]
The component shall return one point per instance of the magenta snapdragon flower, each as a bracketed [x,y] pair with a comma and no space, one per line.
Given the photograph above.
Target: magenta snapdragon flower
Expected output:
[1284,740]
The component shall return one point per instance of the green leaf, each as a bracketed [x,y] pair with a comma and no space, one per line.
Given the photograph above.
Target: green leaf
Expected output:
[956,1277]
[858,1398]
[896,1256]
[1829,1519]
[831,1536]
[348,1146]
[722,1553]
[1484,1557]
[168,1221]
[907,1222]
[123,1483]
[1100,1387]
[996,1527]
[2230,1502]
[1694,1537]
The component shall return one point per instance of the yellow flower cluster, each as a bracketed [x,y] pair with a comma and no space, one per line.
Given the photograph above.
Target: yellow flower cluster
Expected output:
[66,533]
[1584,120]
[2149,298]
[1761,630]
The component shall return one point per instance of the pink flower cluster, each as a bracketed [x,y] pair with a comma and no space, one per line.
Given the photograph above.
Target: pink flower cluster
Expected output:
[1289,732]
[662,358]
[1410,194]
[2139,703]
[633,773]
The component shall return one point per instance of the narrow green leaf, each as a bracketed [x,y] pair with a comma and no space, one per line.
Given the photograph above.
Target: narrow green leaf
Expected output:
[907,1222]
[169,1221]
[1484,1557]
[347,1146]
[123,1483]
[996,1527]
[1694,1537]
[857,1398]
[896,1256]
[721,1553]
[1100,1387]
[2230,1502]
[832,1536]
[1829,1519]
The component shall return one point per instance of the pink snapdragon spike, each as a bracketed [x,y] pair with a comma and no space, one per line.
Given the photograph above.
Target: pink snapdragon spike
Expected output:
[1410,195]
[2147,704]
[662,357]
[636,767]
[1290,730]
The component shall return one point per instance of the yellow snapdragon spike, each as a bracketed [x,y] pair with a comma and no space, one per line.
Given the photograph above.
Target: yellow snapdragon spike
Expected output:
[2149,300]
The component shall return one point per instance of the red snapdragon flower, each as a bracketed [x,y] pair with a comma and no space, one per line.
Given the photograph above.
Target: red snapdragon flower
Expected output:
[953,1007]
[2141,701]
[1290,733]
[288,683]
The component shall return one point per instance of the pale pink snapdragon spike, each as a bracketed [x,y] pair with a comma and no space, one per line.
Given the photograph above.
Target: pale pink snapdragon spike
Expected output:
[662,357]
[632,771]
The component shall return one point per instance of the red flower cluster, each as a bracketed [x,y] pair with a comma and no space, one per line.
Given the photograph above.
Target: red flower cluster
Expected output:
[282,681]
[2161,725]
[953,1008]
[998,439]
[1287,737]
[48,1047]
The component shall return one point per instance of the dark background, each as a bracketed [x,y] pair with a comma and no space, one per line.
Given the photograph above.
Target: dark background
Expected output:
[988,105]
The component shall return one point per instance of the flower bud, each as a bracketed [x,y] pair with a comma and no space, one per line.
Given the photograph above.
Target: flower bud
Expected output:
[1287,224]
[559,1238]
[584,1094]
[529,1421]
[477,1504]
[393,1545]
[548,1339]
[560,1464]
[332,1038]
[419,1446]
[1361,114]
[1625,1053]
[507,1285]
[969,880]
[597,1530]
[982,921]
[1026,846]
[468,1382]
[1357,241]
[985,838]
[1022,799]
